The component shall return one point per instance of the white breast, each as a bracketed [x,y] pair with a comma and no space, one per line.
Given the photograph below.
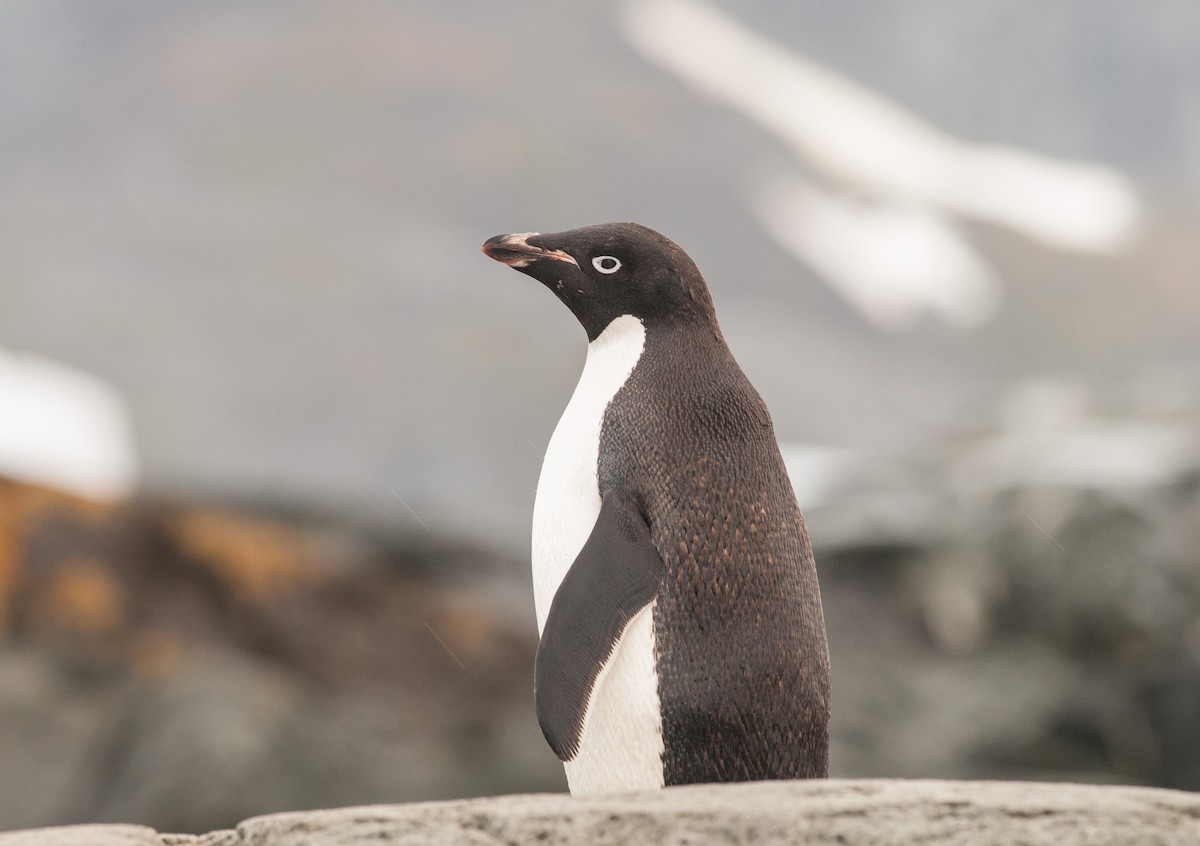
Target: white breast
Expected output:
[568,493]
[621,747]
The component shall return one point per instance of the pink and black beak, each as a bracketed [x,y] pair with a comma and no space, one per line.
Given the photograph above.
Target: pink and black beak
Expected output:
[520,250]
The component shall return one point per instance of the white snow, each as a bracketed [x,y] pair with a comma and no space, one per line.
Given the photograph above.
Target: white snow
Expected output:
[905,174]
[893,261]
[64,428]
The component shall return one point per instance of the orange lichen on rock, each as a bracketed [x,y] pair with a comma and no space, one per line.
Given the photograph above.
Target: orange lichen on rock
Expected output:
[21,505]
[11,541]
[82,597]
[256,559]
[465,626]
[155,652]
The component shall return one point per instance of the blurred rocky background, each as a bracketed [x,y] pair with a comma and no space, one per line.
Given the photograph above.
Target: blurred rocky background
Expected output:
[270,426]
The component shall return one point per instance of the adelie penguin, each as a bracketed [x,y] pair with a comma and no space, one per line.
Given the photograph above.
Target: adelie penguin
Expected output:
[682,637]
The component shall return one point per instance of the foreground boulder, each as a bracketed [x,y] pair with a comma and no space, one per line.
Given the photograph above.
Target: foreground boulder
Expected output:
[821,812]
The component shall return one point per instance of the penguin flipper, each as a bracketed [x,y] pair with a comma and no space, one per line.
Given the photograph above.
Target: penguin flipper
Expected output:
[616,575]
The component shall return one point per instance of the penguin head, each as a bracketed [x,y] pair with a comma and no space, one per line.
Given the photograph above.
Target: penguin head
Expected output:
[610,270]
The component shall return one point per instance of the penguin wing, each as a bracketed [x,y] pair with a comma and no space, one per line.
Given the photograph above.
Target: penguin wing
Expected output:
[616,574]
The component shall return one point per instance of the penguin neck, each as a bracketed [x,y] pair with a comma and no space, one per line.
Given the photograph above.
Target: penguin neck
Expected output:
[619,332]
[621,341]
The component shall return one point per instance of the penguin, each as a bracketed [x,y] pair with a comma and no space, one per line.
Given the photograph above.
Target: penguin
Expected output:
[682,638]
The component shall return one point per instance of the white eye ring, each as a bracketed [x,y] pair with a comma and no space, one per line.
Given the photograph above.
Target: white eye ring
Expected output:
[606,264]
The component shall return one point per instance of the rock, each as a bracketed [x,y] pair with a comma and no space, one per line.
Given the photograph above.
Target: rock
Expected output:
[86,835]
[185,666]
[1028,591]
[865,813]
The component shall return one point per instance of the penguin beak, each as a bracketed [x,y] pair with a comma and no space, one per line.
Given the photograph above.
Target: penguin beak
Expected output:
[516,251]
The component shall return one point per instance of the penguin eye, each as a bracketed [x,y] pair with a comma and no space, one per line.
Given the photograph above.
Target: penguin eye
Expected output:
[606,264]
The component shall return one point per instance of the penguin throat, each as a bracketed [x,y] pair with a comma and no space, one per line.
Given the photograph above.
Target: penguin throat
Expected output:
[621,341]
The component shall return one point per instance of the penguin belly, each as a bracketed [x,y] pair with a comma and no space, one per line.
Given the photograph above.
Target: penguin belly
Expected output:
[621,746]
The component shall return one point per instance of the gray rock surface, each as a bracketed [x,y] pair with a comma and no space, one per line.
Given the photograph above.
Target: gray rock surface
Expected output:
[859,812]
[86,835]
